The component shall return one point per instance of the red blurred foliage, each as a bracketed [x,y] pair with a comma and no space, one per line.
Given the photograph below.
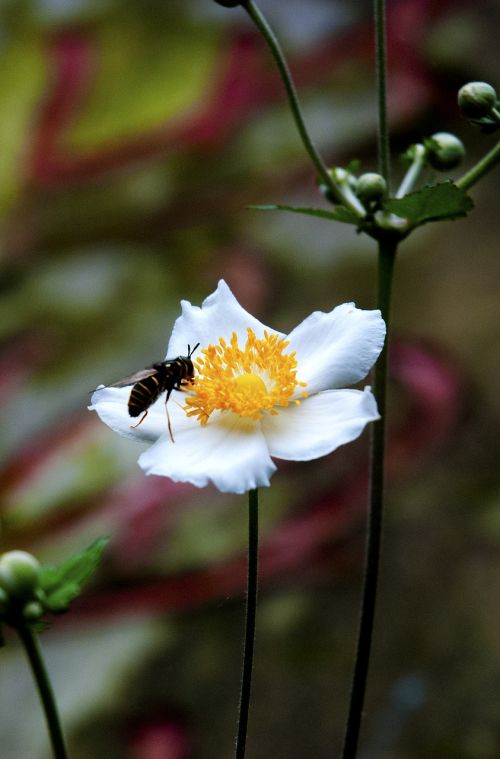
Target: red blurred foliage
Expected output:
[241,85]
[158,739]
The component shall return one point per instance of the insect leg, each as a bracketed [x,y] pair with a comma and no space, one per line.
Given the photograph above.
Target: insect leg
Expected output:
[168,416]
[133,426]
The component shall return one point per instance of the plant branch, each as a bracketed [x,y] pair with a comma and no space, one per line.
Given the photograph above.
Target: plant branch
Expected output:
[381,74]
[348,200]
[387,254]
[251,611]
[481,168]
[45,691]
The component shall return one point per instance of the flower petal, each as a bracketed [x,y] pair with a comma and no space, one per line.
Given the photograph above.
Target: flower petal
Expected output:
[320,424]
[219,316]
[338,348]
[230,454]
[111,406]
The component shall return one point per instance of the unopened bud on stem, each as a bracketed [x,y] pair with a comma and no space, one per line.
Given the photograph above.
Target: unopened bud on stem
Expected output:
[477,99]
[18,573]
[371,187]
[444,151]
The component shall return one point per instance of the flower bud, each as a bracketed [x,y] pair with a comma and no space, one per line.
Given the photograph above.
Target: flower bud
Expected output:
[444,151]
[476,99]
[19,573]
[371,186]
[32,611]
[341,177]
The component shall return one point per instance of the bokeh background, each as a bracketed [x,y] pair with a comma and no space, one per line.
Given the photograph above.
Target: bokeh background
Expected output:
[133,136]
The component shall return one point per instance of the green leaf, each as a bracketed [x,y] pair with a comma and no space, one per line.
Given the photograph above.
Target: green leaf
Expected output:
[440,201]
[338,214]
[62,583]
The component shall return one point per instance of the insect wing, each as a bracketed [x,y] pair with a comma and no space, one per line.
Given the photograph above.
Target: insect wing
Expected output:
[142,374]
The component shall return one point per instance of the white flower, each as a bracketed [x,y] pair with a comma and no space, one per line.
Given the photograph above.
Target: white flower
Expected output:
[257,394]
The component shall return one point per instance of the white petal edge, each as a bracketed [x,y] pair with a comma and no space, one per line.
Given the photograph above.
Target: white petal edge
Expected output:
[111,405]
[219,316]
[338,348]
[223,453]
[321,423]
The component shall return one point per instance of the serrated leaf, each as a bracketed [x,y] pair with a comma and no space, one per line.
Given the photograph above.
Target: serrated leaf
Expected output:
[440,201]
[62,583]
[338,214]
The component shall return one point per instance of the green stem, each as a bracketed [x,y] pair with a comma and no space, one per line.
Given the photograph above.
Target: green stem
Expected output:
[413,172]
[387,254]
[45,691]
[381,74]
[480,169]
[347,199]
[251,611]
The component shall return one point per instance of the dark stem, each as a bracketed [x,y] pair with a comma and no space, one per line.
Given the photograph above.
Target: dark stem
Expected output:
[387,254]
[44,689]
[251,610]
[381,73]
[344,195]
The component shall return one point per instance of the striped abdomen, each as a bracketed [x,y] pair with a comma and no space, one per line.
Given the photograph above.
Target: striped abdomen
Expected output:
[144,394]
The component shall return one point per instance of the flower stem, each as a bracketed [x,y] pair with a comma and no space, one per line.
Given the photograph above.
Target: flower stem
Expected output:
[480,169]
[251,610]
[387,254]
[381,74]
[45,691]
[413,172]
[349,200]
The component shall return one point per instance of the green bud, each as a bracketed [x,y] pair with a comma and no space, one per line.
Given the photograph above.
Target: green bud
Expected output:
[444,151]
[371,187]
[476,99]
[19,573]
[339,175]
[32,611]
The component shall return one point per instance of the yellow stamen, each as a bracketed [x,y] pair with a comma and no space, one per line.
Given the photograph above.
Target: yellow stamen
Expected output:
[247,381]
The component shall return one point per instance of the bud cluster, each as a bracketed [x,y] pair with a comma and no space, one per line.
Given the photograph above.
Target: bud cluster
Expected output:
[479,103]
[370,188]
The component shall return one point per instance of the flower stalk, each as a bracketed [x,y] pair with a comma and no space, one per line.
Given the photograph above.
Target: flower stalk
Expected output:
[386,260]
[387,247]
[413,172]
[381,77]
[45,691]
[347,199]
[481,168]
[251,611]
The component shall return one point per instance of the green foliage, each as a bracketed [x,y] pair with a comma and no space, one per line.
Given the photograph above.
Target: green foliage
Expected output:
[62,583]
[432,203]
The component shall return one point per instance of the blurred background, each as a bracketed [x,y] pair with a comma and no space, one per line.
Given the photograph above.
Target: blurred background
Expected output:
[133,137]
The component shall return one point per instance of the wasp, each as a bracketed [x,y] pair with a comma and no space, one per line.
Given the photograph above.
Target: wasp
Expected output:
[148,384]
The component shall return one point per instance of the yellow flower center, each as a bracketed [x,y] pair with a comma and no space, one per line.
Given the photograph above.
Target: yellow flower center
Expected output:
[247,381]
